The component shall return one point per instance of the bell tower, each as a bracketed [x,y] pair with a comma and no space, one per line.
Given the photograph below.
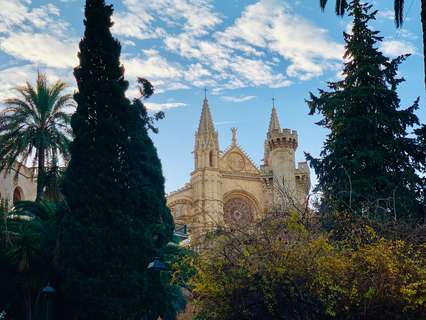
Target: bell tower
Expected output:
[206,179]
[279,161]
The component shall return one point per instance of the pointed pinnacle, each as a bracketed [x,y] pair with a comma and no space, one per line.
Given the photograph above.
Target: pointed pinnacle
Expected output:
[274,123]
[206,120]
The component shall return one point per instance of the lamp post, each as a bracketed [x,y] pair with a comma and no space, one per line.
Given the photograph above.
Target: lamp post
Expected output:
[157,266]
[48,292]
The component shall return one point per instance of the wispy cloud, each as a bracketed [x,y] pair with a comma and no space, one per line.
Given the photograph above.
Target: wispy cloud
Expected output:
[41,49]
[394,48]
[195,17]
[272,26]
[268,45]
[13,76]
[164,106]
[387,14]
[36,38]
[17,16]
[226,123]
[238,99]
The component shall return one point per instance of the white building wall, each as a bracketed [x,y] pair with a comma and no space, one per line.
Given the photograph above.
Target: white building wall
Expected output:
[10,181]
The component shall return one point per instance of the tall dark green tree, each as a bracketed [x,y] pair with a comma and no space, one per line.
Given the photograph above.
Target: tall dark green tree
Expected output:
[117,220]
[398,5]
[369,162]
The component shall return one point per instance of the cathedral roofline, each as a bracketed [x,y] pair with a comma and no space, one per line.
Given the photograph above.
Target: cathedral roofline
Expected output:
[237,147]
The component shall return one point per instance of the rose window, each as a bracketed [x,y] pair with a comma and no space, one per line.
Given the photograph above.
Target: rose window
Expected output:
[238,212]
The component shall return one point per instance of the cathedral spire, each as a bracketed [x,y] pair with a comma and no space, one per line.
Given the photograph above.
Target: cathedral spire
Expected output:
[206,140]
[274,123]
[206,120]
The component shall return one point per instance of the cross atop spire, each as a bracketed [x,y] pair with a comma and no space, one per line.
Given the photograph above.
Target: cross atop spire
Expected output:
[205,93]
[274,123]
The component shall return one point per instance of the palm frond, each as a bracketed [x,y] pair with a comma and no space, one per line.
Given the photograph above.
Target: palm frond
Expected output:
[341,7]
[399,12]
[36,119]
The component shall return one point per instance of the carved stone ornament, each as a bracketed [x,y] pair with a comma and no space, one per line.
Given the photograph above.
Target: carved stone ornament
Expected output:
[236,162]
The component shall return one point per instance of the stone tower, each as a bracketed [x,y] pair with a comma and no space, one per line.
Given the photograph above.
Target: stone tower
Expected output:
[287,183]
[206,177]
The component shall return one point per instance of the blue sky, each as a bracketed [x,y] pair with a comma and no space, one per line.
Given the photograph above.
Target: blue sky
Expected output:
[243,51]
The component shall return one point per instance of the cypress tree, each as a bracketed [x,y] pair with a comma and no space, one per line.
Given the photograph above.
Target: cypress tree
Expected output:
[117,220]
[370,160]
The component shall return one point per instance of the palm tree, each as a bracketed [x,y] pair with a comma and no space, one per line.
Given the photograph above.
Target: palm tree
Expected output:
[399,18]
[27,254]
[35,126]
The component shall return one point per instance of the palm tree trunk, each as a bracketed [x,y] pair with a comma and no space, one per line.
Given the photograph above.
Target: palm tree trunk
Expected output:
[423,19]
[40,174]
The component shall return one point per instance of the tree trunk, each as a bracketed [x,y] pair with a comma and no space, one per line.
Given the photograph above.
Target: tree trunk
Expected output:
[423,20]
[40,174]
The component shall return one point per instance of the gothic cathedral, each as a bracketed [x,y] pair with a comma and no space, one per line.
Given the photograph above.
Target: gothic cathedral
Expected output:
[228,188]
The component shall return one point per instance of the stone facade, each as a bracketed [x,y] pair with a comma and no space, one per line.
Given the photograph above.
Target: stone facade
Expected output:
[17,186]
[229,188]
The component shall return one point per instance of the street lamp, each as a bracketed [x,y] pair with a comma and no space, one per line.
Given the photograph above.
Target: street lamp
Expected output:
[48,291]
[157,265]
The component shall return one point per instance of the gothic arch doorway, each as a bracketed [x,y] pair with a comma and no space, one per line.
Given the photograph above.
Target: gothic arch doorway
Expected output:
[18,195]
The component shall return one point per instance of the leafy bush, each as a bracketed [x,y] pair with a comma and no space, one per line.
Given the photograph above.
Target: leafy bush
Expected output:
[280,270]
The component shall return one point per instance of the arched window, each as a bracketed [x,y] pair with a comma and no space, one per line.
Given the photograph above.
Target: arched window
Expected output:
[18,195]
[211,159]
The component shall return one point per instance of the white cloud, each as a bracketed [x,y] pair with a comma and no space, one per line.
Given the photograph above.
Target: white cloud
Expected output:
[394,48]
[271,25]
[42,49]
[135,25]
[386,14]
[36,34]
[163,74]
[16,15]
[236,56]
[238,99]
[198,16]
[164,106]
[152,66]
[14,76]
[257,73]
[268,45]
[193,16]
[226,67]
[225,123]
